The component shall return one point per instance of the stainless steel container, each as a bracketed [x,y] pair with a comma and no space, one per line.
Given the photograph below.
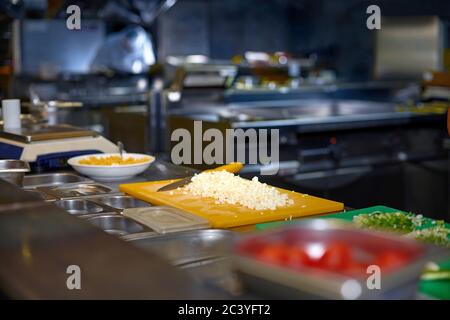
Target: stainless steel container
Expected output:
[76,190]
[13,171]
[42,195]
[120,202]
[188,246]
[406,47]
[79,206]
[118,225]
[52,179]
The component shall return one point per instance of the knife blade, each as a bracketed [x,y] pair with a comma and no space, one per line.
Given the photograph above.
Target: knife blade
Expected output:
[176,184]
[233,167]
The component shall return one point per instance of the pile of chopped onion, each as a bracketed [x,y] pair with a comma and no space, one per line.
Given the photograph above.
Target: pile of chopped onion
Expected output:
[227,188]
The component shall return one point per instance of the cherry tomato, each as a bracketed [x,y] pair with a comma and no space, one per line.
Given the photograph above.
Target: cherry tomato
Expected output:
[297,257]
[255,246]
[355,268]
[274,253]
[336,257]
[388,260]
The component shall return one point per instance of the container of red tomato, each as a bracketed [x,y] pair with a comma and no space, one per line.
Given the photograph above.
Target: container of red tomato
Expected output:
[326,259]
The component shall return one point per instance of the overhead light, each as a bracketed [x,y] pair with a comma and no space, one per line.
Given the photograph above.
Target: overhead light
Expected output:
[174,96]
[137,66]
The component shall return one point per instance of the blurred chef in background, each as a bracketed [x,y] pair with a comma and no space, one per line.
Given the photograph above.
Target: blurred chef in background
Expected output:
[127,51]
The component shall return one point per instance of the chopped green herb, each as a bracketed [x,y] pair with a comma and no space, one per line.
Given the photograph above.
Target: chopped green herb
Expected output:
[437,235]
[392,221]
[405,224]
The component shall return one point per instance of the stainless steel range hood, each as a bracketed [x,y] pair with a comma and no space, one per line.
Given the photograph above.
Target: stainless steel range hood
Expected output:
[406,47]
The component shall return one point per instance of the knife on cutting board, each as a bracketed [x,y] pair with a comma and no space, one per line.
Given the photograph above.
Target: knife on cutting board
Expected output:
[232,167]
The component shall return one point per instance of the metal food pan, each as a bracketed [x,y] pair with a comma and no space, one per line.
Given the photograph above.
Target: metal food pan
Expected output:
[276,281]
[118,225]
[188,246]
[77,190]
[120,202]
[13,171]
[52,179]
[42,195]
[80,206]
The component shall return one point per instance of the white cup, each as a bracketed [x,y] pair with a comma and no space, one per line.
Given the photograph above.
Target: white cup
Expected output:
[11,114]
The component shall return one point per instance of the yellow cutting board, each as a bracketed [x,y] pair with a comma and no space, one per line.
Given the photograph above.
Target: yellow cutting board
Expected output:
[227,215]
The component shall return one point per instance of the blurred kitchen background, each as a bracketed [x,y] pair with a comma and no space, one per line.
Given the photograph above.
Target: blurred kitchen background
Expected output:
[361,113]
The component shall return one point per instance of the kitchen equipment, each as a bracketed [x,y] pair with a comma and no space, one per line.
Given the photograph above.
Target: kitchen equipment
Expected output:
[189,246]
[194,72]
[25,119]
[47,111]
[40,194]
[117,225]
[121,202]
[111,172]
[226,215]
[86,207]
[49,146]
[31,59]
[79,206]
[233,167]
[166,219]
[339,280]
[13,171]
[406,47]
[39,132]
[76,190]
[52,179]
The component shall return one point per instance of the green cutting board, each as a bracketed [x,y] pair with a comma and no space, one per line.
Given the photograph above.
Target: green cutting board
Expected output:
[346,215]
[438,289]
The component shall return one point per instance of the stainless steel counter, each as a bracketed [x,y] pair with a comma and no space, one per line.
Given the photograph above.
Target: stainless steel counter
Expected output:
[309,115]
[38,241]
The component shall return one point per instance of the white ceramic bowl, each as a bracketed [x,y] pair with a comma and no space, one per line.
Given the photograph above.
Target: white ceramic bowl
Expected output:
[111,173]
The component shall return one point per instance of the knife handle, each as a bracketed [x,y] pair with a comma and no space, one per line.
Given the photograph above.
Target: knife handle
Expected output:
[233,167]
